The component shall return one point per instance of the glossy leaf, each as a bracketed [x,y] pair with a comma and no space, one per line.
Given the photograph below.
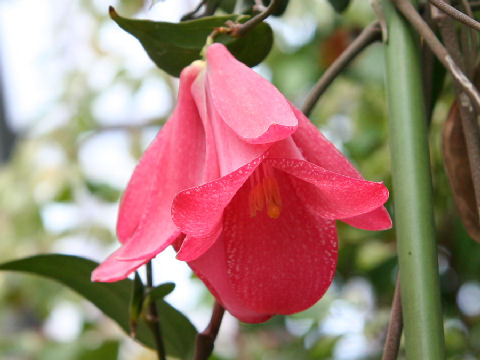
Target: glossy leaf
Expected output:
[111,298]
[173,46]
[339,5]
[160,291]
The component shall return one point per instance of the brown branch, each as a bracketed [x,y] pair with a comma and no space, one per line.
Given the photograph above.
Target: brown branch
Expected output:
[238,30]
[395,327]
[456,14]
[205,340]
[369,35]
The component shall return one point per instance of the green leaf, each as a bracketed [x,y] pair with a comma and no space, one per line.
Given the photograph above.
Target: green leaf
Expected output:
[173,46]
[111,298]
[339,5]
[160,291]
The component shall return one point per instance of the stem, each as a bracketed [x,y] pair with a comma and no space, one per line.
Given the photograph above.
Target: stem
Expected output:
[395,326]
[153,319]
[412,193]
[370,34]
[407,9]
[239,30]
[456,14]
[205,340]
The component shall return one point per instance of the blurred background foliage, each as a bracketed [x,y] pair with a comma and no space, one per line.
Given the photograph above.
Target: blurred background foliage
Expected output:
[83,110]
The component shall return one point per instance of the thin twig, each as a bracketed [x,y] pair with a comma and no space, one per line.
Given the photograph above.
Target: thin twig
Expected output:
[395,326]
[370,34]
[153,319]
[467,7]
[191,14]
[410,13]
[205,340]
[238,30]
[456,14]
[428,66]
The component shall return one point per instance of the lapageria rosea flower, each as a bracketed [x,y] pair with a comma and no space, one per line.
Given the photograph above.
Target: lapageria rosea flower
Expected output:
[247,190]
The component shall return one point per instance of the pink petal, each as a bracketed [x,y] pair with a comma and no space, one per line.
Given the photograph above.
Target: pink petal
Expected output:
[198,211]
[278,266]
[331,195]
[318,150]
[193,247]
[211,268]
[248,103]
[212,166]
[231,152]
[178,164]
[112,269]
[375,220]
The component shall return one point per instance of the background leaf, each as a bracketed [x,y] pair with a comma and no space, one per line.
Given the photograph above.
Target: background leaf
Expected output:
[173,46]
[111,298]
[339,5]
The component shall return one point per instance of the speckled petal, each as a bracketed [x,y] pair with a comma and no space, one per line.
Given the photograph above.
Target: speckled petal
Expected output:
[318,150]
[375,220]
[193,247]
[331,195]
[198,211]
[211,268]
[249,104]
[112,269]
[177,164]
[278,266]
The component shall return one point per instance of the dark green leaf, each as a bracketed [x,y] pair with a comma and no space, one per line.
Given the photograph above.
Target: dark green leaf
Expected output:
[173,46]
[339,5]
[279,8]
[160,291]
[111,298]
[227,5]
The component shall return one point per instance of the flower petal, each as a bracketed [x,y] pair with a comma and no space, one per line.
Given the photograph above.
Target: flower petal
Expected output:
[231,152]
[193,247]
[318,150]
[249,104]
[278,266]
[331,195]
[198,211]
[113,269]
[211,268]
[178,164]
[375,220]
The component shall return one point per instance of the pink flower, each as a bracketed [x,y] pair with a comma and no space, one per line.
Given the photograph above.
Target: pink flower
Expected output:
[247,190]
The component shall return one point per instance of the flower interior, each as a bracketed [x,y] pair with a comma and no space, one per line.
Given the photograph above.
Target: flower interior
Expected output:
[264,192]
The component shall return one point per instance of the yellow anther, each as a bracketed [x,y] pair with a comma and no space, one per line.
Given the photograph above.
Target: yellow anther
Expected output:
[256,199]
[273,199]
[264,193]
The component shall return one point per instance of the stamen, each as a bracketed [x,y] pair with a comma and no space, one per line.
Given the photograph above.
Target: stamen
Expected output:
[264,192]
[272,197]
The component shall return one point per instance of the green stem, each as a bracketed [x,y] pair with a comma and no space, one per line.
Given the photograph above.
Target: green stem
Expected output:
[412,192]
[153,319]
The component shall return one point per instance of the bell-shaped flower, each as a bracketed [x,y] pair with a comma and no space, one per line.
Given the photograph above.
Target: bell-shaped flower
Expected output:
[247,190]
